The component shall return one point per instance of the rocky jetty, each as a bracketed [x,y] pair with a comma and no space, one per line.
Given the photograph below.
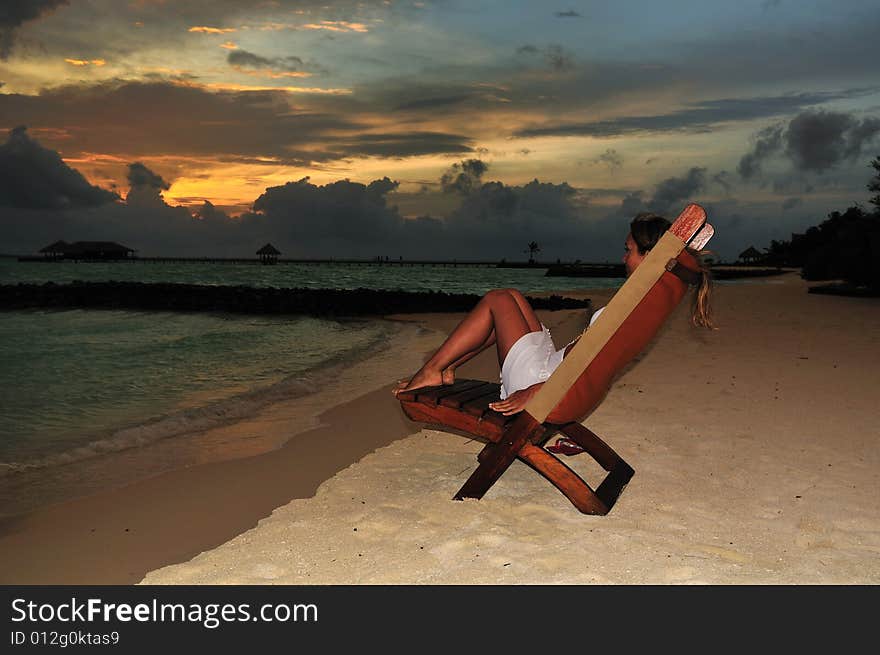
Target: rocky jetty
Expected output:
[246,299]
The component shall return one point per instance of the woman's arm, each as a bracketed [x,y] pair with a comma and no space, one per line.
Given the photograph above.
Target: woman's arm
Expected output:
[516,401]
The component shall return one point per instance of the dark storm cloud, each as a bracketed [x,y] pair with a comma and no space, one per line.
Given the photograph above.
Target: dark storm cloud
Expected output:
[791,203]
[209,213]
[344,210]
[339,219]
[247,59]
[140,175]
[557,58]
[407,144]
[632,203]
[792,182]
[817,141]
[861,137]
[433,103]
[32,176]
[674,191]
[290,64]
[768,142]
[611,158]
[13,13]
[701,117]
[219,13]
[814,142]
[669,195]
[164,118]
[421,95]
[499,220]
[146,187]
[722,179]
[464,177]
[161,118]
[45,200]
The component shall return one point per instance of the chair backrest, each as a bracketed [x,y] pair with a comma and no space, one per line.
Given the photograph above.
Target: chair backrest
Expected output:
[633,335]
[630,320]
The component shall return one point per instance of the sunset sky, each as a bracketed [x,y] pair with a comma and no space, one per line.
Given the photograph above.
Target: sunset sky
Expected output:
[190,127]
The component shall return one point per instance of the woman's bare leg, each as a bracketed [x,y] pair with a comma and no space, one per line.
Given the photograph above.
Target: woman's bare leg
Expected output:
[447,375]
[449,372]
[503,312]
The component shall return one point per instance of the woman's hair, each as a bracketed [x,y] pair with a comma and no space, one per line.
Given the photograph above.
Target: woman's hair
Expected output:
[646,229]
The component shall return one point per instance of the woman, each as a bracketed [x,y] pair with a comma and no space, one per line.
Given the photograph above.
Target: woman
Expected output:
[525,349]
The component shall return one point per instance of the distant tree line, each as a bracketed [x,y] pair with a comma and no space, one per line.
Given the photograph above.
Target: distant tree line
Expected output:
[846,246]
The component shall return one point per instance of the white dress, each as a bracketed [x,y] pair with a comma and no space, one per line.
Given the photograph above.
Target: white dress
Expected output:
[532,359]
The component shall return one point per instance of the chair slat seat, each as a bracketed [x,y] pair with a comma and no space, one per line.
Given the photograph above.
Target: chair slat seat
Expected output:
[457,400]
[480,405]
[433,395]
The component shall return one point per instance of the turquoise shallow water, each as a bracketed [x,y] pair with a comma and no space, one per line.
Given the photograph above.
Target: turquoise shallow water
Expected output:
[79,383]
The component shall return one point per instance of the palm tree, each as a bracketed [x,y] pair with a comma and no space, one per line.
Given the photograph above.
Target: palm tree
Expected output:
[533,248]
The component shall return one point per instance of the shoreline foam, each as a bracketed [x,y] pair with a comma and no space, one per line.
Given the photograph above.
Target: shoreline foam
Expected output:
[186,420]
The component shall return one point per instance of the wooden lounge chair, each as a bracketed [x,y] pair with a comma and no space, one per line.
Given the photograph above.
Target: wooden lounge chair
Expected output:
[577,386]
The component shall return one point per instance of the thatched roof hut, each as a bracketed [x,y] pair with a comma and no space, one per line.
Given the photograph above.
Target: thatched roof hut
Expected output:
[268,254]
[268,249]
[750,255]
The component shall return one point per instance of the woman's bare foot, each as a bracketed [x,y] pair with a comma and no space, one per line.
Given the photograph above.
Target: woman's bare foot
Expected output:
[447,377]
[421,379]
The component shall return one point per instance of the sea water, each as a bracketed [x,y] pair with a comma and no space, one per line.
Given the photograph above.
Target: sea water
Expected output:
[450,278]
[78,383]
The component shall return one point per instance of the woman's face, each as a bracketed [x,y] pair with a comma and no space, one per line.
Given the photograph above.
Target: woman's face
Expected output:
[631,256]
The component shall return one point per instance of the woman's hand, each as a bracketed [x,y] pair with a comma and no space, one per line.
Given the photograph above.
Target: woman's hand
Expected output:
[516,401]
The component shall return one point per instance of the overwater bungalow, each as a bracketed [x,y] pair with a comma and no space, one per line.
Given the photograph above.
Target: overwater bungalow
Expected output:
[269,254]
[86,250]
[55,250]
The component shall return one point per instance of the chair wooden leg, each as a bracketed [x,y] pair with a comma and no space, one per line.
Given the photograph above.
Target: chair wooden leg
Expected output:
[590,441]
[464,407]
[497,457]
[619,472]
[567,481]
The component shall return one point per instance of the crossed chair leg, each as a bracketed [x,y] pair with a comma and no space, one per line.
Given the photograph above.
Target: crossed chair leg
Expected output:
[523,439]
